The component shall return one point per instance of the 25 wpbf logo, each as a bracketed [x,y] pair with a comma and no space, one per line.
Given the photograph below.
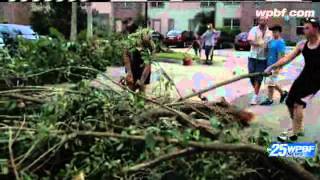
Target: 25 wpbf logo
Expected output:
[302,150]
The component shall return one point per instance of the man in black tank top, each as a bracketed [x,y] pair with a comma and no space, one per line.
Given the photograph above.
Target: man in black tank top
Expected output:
[308,82]
[138,71]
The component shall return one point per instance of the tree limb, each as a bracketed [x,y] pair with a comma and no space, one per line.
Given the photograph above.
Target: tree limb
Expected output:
[290,166]
[223,83]
[23,97]
[152,163]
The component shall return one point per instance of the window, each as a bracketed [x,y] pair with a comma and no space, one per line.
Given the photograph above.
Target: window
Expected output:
[227,22]
[156,24]
[118,25]
[125,5]
[157,4]
[300,23]
[231,23]
[255,21]
[207,4]
[258,4]
[232,3]
[192,24]
[170,24]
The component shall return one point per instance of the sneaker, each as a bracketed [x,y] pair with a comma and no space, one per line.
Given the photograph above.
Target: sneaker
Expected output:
[209,62]
[254,100]
[267,102]
[285,138]
[301,133]
[283,96]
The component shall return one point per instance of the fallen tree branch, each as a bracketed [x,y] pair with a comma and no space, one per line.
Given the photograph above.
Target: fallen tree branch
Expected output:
[291,166]
[152,163]
[223,83]
[26,98]
[184,118]
[17,117]
[13,165]
[170,80]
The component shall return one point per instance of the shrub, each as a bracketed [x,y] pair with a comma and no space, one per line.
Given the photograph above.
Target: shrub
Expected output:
[290,43]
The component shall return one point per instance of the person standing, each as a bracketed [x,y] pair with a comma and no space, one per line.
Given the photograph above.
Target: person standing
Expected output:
[276,50]
[196,45]
[138,71]
[209,38]
[258,38]
[307,83]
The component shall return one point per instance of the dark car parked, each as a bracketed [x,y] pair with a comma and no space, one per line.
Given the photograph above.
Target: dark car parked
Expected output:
[179,38]
[156,36]
[241,42]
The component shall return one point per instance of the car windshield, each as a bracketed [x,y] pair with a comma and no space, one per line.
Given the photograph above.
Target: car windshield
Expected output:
[26,30]
[17,29]
[4,29]
[174,33]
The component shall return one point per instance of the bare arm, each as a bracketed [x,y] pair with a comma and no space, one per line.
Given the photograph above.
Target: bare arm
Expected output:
[145,73]
[288,58]
[126,60]
[253,43]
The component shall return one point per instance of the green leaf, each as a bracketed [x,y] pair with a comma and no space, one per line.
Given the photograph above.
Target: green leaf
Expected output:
[150,141]
[215,123]
[4,169]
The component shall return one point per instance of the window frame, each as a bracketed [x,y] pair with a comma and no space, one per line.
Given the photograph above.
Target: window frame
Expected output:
[232,25]
[159,4]
[207,4]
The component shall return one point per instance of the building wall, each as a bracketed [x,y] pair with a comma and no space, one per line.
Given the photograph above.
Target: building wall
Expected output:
[16,13]
[180,12]
[104,10]
[119,13]
[102,7]
[248,14]
[226,11]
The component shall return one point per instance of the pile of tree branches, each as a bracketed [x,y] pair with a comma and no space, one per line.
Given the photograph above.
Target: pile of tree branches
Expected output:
[86,132]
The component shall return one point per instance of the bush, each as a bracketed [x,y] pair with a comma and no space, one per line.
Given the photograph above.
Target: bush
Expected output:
[290,43]
[228,34]
[47,54]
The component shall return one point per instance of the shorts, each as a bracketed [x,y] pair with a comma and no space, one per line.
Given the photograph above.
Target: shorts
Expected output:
[273,79]
[302,87]
[256,65]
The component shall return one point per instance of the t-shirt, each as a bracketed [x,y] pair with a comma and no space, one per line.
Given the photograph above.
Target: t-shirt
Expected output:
[209,37]
[276,47]
[256,35]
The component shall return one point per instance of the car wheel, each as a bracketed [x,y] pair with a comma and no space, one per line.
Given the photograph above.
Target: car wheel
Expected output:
[180,45]
[236,47]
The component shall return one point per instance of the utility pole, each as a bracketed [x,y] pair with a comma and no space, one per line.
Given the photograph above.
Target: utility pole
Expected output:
[73,34]
[146,13]
[89,21]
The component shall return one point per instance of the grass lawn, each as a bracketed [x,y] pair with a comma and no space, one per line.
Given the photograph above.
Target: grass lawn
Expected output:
[175,55]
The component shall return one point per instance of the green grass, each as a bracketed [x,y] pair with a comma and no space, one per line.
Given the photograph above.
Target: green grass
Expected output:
[175,55]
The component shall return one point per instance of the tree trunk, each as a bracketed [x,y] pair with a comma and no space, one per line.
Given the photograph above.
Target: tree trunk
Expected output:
[89,21]
[73,34]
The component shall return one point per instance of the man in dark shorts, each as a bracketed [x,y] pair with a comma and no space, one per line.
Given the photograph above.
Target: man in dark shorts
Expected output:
[258,38]
[308,82]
